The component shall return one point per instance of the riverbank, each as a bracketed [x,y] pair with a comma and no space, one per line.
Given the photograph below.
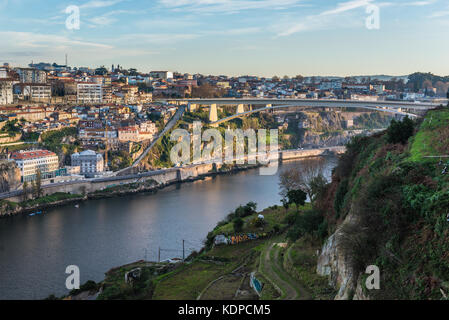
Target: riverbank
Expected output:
[11,208]
[133,184]
[223,271]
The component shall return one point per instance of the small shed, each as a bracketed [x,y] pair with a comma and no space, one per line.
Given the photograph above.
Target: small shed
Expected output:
[220,239]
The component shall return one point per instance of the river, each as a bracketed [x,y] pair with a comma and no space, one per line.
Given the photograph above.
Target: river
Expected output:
[101,234]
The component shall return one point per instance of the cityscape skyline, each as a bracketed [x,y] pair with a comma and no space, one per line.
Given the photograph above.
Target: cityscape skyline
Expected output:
[262,38]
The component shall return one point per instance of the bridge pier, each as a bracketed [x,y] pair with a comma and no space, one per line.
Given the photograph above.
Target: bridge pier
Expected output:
[213,116]
[192,107]
[240,109]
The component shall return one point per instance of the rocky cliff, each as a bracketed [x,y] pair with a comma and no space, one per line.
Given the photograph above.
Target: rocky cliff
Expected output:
[335,263]
[387,207]
[9,176]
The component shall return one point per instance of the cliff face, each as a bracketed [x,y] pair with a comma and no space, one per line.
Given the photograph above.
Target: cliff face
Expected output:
[387,206]
[335,263]
[328,129]
[312,139]
[9,176]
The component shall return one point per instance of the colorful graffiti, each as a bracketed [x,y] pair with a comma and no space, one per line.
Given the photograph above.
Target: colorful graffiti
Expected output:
[236,239]
[239,238]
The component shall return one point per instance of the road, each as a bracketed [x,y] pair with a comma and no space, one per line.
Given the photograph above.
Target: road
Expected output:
[328,103]
[273,269]
[167,128]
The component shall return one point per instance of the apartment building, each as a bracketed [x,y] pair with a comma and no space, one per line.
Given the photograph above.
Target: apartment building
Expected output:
[137,133]
[31,75]
[6,91]
[89,92]
[89,162]
[161,75]
[37,92]
[30,162]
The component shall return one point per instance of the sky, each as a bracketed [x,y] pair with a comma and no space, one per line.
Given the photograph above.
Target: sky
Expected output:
[232,37]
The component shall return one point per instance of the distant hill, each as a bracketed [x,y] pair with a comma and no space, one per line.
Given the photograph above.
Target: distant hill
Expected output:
[381,77]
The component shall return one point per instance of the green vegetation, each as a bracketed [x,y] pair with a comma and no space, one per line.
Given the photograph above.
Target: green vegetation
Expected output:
[58,141]
[189,280]
[432,138]
[296,197]
[372,120]
[12,128]
[400,131]
[300,261]
[58,196]
[119,160]
[399,201]
[115,288]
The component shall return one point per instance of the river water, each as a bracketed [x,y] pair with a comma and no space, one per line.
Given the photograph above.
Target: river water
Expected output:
[102,234]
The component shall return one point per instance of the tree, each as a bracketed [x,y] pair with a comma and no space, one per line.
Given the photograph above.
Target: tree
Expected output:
[101,71]
[285,204]
[400,131]
[238,224]
[318,186]
[37,185]
[25,191]
[298,197]
[302,176]
[299,78]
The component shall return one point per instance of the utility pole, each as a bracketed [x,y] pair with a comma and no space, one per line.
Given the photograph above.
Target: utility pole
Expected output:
[159,256]
[183,251]
[107,147]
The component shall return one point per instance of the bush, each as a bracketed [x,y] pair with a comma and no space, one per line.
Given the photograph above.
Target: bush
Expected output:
[308,223]
[238,224]
[258,223]
[340,196]
[400,131]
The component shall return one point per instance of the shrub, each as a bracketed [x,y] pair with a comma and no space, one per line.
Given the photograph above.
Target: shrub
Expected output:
[400,131]
[307,223]
[238,224]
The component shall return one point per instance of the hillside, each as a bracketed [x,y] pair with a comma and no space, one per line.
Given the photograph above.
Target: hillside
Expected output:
[387,206]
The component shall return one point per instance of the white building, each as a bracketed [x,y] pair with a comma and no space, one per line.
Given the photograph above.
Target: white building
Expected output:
[161,75]
[31,75]
[30,162]
[3,72]
[6,91]
[89,162]
[33,91]
[89,92]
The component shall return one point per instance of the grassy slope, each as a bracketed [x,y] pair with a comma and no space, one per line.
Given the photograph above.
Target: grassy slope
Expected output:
[432,138]
[190,280]
[402,200]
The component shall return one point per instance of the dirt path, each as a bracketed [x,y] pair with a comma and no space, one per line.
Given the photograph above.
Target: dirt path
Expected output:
[273,269]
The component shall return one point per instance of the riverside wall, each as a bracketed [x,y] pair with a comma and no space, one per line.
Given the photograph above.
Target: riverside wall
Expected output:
[161,177]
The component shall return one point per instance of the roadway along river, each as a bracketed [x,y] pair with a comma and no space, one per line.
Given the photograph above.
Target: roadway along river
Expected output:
[101,234]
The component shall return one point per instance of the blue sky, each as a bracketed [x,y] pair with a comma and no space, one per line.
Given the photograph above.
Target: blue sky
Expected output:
[233,37]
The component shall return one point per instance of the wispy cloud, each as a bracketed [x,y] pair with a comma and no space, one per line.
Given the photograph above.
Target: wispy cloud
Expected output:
[346,6]
[440,13]
[155,38]
[325,19]
[322,20]
[99,4]
[35,40]
[227,6]
[109,17]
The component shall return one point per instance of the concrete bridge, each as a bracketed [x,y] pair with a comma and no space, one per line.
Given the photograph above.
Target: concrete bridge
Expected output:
[412,109]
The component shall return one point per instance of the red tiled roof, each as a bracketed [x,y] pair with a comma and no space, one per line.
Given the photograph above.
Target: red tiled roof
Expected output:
[32,154]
